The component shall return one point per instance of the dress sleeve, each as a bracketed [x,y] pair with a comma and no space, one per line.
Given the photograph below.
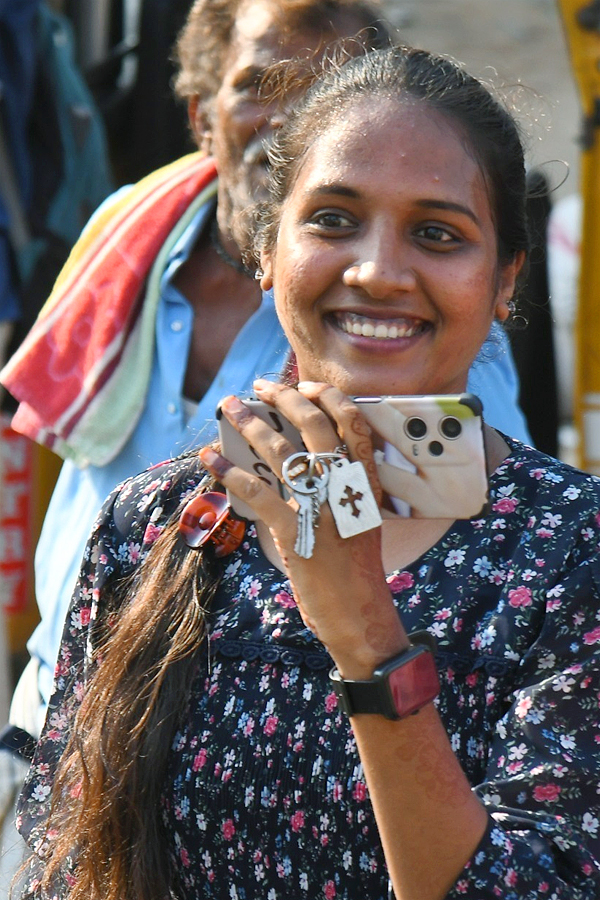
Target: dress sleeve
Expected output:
[131,519]
[542,787]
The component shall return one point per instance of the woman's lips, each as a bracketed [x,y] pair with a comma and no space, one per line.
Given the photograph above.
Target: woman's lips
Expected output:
[380,329]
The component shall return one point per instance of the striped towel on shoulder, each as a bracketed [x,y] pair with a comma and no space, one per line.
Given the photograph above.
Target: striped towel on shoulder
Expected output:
[81,375]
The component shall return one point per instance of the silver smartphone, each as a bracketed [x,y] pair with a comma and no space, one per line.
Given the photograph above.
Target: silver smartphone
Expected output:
[430,453]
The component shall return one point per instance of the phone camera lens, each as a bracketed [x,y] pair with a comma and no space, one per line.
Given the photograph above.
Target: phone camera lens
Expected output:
[450,428]
[435,448]
[415,428]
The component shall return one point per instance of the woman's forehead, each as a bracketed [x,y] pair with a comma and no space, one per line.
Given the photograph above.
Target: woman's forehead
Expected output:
[400,136]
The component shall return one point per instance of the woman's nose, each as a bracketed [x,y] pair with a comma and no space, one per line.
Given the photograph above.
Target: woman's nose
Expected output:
[381,274]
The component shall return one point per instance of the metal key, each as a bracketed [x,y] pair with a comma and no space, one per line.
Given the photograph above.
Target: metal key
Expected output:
[308,486]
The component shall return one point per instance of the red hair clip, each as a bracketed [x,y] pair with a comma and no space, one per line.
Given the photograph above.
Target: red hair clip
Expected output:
[207,518]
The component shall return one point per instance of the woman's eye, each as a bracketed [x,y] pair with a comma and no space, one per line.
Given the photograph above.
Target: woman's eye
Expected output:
[330,220]
[437,234]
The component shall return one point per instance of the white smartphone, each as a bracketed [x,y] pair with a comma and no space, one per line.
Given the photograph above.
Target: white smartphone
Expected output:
[430,453]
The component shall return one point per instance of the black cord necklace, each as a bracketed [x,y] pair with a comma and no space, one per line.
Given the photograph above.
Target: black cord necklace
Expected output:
[237,264]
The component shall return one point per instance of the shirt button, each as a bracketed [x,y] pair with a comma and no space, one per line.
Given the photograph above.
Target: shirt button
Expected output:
[177,325]
[171,409]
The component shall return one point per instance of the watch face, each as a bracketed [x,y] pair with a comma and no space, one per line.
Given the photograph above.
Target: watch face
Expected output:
[414,684]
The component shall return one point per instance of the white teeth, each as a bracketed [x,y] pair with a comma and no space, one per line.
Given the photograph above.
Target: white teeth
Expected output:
[359,325]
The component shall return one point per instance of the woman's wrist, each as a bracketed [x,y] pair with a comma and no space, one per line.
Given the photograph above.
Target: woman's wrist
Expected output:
[367,637]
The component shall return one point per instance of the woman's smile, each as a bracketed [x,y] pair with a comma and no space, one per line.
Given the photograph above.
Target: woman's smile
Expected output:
[376,328]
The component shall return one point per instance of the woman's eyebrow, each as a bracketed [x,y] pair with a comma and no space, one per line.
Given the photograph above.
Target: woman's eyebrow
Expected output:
[335,188]
[451,206]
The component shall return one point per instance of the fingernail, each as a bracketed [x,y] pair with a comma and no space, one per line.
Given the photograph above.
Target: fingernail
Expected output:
[261,384]
[236,409]
[215,462]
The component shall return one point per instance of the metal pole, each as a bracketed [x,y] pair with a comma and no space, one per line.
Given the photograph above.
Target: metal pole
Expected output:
[581,22]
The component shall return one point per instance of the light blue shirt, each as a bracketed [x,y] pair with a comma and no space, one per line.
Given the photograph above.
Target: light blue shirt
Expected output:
[163,431]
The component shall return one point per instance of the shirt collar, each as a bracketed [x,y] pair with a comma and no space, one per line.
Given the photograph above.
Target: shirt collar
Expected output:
[184,246]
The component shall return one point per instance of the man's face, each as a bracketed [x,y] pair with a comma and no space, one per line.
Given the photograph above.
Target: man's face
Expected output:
[240,123]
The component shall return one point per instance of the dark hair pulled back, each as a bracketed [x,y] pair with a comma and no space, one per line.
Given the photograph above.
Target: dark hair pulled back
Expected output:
[406,73]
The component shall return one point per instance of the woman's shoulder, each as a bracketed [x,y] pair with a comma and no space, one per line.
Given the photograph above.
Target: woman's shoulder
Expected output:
[547,474]
[145,502]
[542,489]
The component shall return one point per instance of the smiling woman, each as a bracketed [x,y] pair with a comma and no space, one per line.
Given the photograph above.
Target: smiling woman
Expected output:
[386,263]
[282,722]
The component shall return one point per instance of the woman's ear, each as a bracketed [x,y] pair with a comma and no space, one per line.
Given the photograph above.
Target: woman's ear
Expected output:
[200,125]
[507,284]
[266,265]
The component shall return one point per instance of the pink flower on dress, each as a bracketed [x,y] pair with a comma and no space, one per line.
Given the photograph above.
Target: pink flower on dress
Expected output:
[505,505]
[199,760]
[329,890]
[360,791]
[134,552]
[523,707]
[546,792]
[401,581]
[228,829]
[85,615]
[520,596]
[285,599]
[151,533]
[271,725]
[297,820]
[331,702]
[592,637]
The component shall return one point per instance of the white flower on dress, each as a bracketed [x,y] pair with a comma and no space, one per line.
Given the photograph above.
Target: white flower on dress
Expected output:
[454,558]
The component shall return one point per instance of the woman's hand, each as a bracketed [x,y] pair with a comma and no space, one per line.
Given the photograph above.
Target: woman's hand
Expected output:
[341,589]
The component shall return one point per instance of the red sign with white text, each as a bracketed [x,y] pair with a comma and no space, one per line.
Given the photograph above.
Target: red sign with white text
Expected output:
[16,518]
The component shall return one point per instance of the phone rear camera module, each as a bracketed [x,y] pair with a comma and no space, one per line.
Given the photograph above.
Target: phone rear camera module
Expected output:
[415,428]
[450,428]
[435,448]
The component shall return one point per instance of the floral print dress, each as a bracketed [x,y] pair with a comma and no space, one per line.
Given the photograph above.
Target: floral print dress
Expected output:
[265,795]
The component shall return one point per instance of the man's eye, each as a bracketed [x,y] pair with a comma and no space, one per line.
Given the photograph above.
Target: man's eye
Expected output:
[249,87]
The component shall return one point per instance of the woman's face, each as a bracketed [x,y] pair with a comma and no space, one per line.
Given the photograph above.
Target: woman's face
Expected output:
[385,271]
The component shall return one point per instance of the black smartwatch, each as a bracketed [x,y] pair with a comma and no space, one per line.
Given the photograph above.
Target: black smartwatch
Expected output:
[399,687]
